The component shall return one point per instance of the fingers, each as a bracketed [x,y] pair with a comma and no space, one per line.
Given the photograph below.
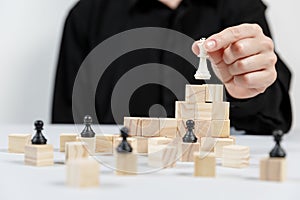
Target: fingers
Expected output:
[251,64]
[231,35]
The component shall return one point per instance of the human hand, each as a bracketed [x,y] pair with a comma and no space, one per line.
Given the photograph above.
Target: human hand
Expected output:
[243,58]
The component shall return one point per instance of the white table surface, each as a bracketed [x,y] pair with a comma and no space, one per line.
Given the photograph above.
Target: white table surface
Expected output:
[19,182]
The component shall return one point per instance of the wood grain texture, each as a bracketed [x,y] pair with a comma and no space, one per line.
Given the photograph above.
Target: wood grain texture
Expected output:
[195,93]
[204,164]
[202,128]
[273,169]
[140,144]
[168,127]
[17,142]
[219,128]
[207,144]
[104,143]
[165,157]
[236,156]
[134,124]
[220,111]
[214,93]
[126,164]
[39,155]
[66,137]
[186,151]
[203,111]
[220,143]
[150,127]
[82,173]
[184,110]
[157,143]
[75,151]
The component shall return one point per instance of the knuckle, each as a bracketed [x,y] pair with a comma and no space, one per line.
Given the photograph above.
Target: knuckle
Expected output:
[238,48]
[273,59]
[268,44]
[235,31]
[256,28]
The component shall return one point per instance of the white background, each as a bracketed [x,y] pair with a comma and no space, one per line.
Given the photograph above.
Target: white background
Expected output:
[30,33]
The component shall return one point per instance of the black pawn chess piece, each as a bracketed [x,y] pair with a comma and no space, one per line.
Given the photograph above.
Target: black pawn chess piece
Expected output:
[39,138]
[87,132]
[277,151]
[124,146]
[190,137]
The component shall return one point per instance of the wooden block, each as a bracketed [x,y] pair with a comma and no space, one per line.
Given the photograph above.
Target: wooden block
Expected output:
[168,127]
[186,151]
[220,143]
[90,144]
[233,138]
[134,124]
[181,129]
[220,111]
[184,110]
[273,169]
[203,111]
[126,164]
[235,156]
[204,164]
[17,142]
[201,128]
[66,137]
[75,151]
[104,143]
[195,93]
[214,93]
[82,173]
[140,144]
[219,128]
[150,127]
[207,144]
[39,155]
[164,158]
[130,140]
[157,143]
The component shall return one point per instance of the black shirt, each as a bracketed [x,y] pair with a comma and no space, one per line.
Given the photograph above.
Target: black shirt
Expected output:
[92,21]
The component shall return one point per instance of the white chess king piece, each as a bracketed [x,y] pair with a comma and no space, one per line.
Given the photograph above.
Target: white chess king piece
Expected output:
[202,72]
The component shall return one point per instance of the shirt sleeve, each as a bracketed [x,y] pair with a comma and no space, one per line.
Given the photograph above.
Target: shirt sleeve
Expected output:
[73,50]
[272,109]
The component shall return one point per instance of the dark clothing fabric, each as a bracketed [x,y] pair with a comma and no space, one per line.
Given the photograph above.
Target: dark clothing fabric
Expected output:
[92,21]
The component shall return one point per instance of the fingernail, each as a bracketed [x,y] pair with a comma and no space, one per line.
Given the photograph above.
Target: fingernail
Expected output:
[210,44]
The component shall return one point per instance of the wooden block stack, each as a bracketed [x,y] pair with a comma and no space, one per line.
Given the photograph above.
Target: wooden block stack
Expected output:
[235,156]
[66,137]
[17,142]
[82,173]
[273,169]
[39,155]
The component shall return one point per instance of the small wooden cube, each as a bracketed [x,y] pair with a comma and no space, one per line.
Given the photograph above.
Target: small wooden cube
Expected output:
[66,137]
[150,127]
[273,169]
[90,144]
[82,173]
[214,93]
[118,140]
[184,110]
[134,124]
[187,150]
[104,143]
[202,128]
[220,111]
[126,164]
[75,151]
[220,143]
[164,158]
[39,155]
[140,144]
[219,128]
[159,141]
[204,164]
[17,142]
[181,129]
[235,156]
[203,111]
[195,93]
[168,127]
